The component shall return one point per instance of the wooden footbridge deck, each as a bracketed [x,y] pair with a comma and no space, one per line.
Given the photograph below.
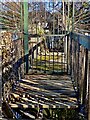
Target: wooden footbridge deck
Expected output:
[45,58]
[54,79]
[44,91]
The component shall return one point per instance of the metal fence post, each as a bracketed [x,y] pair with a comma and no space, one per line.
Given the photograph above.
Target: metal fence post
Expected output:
[26,34]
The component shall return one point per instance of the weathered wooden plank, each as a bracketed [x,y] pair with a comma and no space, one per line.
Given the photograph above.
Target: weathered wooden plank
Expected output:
[47,77]
[27,114]
[44,104]
[49,85]
[53,35]
[46,91]
[41,93]
[45,100]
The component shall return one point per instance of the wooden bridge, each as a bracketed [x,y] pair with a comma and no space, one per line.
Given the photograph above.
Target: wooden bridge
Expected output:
[43,70]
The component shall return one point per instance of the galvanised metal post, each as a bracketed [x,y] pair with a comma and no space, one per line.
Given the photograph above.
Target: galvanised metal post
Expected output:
[73,17]
[63,11]
[25,3]
[72,40]
[68,54]
[21,21]
[68,24]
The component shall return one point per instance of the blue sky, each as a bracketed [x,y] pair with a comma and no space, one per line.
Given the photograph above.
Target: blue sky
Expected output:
[49,7]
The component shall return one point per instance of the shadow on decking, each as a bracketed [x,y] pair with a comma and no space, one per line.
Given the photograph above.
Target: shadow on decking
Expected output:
[44,91]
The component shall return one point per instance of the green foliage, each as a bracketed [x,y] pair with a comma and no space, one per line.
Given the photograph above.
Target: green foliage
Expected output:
[86,4]
[40,31]
[61,114]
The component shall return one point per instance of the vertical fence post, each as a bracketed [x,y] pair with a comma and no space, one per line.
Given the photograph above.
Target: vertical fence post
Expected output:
[21,21]
[73,18]
[63,12]
[68,16]
[78,66]
[85,77]
[67,54]
[71,55]
[26,34]
[72,46]
[88,87]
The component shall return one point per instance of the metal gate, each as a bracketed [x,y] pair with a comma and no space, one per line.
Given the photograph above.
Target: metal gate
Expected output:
[48,55]
[48,42]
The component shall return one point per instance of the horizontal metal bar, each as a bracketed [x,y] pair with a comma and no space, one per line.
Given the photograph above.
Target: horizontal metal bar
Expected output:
[82,39]
[32,35]
[82,30]
[7,28]
[37,35]
[16,39]
[60,35]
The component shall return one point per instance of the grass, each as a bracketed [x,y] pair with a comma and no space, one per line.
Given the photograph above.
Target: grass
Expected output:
[46,65]
[47,57]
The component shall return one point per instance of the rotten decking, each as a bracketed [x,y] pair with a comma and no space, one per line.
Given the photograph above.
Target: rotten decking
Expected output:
[45,91]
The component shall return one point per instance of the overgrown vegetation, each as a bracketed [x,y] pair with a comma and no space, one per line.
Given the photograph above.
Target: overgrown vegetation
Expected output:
[52,114]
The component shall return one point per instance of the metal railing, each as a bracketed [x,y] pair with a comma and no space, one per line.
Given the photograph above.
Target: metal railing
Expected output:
[79,68]
[48,54]
[77,61]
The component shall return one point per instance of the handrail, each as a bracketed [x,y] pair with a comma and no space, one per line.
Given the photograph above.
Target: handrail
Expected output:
[20,61]
[82,39]
[79,61]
